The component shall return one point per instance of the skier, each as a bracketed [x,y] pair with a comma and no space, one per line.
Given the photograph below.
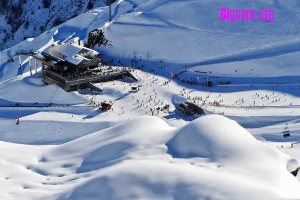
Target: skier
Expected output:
[17,120]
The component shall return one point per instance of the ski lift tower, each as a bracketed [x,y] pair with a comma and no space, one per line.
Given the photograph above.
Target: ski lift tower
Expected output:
[31,54]
[110,17]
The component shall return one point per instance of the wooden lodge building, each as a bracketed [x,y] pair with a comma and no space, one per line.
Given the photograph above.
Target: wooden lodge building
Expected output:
[73,66]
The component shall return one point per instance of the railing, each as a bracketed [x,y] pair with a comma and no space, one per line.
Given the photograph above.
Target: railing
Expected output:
[55,77]
[97,77]
[26,52]
[82,83]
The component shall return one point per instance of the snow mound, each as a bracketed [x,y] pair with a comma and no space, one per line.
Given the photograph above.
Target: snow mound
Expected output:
[208,136]
[220,140]
[144,158]
[213,157]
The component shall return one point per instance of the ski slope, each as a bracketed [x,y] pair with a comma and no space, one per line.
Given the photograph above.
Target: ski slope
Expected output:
[65,147]
[74,158]
[154,31]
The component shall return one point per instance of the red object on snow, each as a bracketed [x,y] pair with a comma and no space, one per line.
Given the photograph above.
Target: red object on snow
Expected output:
[106,106]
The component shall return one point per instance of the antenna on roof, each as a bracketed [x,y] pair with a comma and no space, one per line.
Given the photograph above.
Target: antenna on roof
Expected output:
[109,3]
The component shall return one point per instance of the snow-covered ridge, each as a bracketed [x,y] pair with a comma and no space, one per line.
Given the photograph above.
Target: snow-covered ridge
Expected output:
[146,159]
[28,19]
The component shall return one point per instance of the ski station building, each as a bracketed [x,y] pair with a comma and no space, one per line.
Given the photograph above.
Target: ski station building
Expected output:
[73,66]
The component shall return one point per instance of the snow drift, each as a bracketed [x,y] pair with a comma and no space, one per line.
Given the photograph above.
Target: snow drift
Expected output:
[212,157]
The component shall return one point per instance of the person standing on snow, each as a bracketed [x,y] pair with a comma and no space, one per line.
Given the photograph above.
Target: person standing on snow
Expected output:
[17,120]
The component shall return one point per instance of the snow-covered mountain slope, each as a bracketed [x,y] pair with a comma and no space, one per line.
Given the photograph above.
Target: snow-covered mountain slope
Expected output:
[146,159]
[60,155]
[196,36]
[155,31]
[26,19]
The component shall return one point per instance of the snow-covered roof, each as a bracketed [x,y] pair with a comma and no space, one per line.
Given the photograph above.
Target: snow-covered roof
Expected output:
[75,59]
[69,50]
[70,53]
